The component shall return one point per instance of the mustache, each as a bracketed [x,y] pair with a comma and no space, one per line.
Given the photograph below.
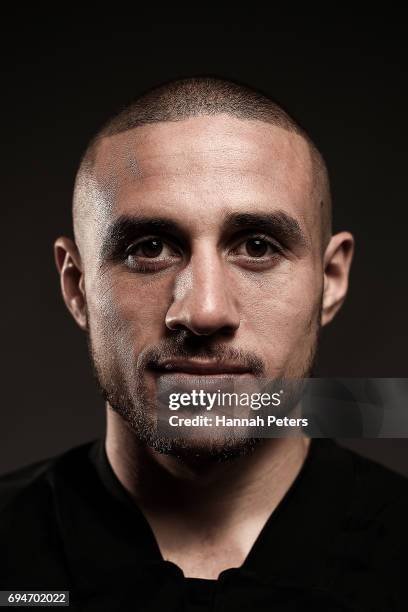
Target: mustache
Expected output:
[187,347]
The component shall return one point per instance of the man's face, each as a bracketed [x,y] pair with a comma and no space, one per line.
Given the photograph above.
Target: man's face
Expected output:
[202,257]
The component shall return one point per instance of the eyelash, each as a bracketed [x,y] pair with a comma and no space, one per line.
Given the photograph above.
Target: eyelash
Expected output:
[153,264]
[148,264]
[129,250]
[271,243]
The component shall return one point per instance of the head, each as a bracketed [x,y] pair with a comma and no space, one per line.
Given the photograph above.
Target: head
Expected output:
[203,246]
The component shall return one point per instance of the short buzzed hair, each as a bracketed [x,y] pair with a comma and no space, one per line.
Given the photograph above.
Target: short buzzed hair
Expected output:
[203,96]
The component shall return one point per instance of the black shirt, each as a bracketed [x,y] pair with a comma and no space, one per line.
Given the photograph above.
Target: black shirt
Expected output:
[338,541]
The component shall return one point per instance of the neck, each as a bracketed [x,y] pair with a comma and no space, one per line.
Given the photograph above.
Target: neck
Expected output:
[204,500]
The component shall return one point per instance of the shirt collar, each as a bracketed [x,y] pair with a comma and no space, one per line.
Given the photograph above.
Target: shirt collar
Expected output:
[107,539]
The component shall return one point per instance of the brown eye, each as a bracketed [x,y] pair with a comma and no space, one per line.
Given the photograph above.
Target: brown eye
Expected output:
[256,247]
[151,254]
[151,248]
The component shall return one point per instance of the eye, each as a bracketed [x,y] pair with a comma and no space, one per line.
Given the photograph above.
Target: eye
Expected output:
[256,247]
[257,252]
[150,255]
[151,248]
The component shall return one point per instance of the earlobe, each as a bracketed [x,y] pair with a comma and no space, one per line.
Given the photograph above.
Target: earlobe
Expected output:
[337,262]
[69,266]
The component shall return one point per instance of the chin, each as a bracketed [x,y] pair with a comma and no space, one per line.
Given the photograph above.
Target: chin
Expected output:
[223,449]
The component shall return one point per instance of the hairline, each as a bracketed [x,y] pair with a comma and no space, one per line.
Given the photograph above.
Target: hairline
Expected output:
[282,120]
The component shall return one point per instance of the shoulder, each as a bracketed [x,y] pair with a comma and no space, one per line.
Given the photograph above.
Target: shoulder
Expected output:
[368,548]
[376,487]
[376,520]
[373,497]
[13,483]
[38,477]
[30,529]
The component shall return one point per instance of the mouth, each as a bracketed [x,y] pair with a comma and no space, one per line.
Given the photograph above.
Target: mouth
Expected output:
[194,367]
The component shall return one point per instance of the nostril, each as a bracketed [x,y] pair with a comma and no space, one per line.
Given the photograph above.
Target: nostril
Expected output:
[175,326]
[205,312]
[201,326]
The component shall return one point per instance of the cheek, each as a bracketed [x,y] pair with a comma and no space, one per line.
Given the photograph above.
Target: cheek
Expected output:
[280,313]
[130,311]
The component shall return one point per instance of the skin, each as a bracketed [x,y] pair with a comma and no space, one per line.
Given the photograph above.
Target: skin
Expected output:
[196,172]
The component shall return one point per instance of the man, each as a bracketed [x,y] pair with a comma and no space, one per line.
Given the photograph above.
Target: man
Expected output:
[203,256]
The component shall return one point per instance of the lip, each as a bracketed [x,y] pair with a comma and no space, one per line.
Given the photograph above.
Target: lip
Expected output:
[201,368]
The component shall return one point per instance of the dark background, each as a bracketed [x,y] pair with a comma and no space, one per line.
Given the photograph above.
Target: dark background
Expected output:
[343,78]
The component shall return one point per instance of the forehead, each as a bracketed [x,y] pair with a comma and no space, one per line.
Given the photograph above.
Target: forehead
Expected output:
[206,167]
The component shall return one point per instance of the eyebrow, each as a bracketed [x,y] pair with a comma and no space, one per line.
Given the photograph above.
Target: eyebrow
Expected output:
[278,223]
[125,229]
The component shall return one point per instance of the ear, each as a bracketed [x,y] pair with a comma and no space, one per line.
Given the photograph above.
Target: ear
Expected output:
[69,265]
[337,262]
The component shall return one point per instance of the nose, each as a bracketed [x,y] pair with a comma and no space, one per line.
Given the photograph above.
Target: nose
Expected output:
[204,302]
